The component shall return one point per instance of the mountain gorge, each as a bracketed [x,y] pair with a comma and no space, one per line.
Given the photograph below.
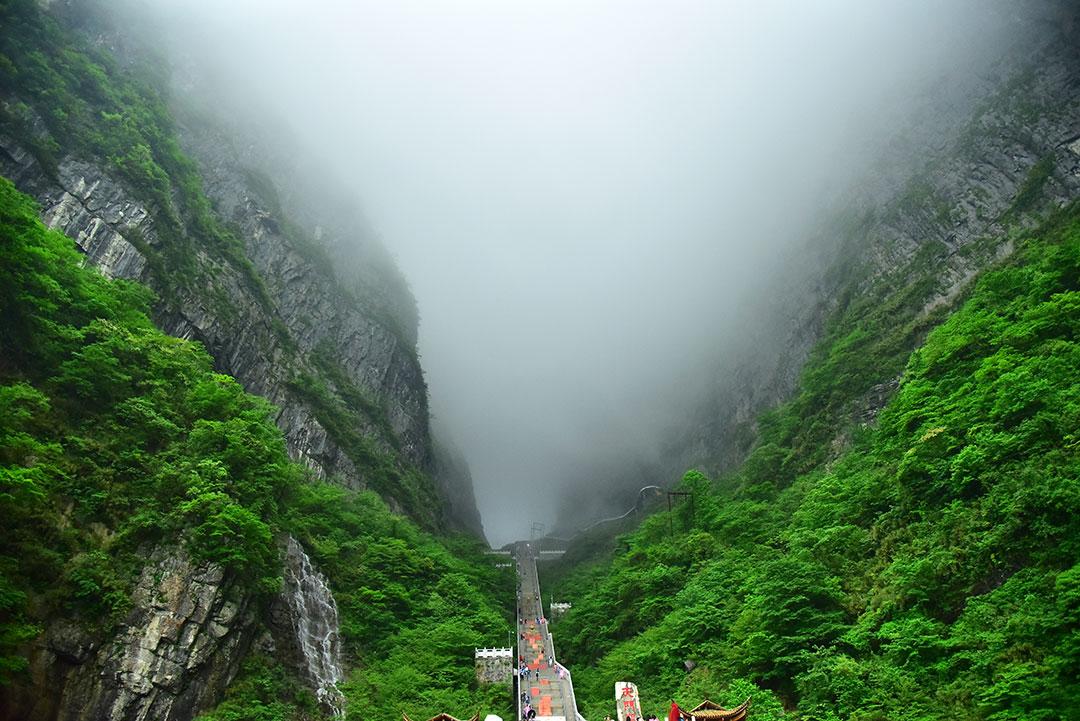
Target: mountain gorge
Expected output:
[235,273]
[225,495]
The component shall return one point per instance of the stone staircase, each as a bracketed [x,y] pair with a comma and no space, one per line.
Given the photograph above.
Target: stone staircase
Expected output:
[552,696]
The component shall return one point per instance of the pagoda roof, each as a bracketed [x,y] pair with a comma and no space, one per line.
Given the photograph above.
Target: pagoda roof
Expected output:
[709,711]
[443,717]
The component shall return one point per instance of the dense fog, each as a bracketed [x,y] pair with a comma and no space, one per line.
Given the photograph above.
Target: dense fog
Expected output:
[587,198]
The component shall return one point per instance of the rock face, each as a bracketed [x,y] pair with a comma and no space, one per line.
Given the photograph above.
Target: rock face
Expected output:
[313,314]
[178,648]
[326,334]
[100,216]
[189,629]
[361,331]
[1016,156]
[301,321]
[454,477]
[262,347]
[932,219]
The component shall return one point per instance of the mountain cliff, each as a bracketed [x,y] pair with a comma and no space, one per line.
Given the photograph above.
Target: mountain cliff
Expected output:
[177,207]
[900,256]
[174,541]
[885,265]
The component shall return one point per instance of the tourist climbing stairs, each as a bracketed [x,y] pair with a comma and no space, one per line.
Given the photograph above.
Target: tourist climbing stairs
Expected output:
[547,685]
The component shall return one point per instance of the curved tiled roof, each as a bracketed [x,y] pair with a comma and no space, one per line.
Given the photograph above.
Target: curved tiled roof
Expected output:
[443,717]
[709,711]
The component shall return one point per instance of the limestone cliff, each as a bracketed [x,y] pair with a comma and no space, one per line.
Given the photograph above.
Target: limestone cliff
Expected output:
[336,354]
[182,642]
[907,250]
[330,344]
[265,342]
[453,475]
[898,251]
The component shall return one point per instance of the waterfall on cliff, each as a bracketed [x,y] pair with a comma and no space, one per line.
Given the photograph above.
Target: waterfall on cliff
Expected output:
[315,621]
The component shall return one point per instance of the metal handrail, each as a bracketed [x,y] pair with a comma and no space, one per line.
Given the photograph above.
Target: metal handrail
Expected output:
[634,509]
[551,645]
[570,680]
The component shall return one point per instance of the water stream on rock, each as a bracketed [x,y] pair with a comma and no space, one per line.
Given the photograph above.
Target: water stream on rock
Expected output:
[315,621]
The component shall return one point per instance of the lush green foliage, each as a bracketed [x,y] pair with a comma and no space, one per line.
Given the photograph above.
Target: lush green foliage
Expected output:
[264,692]
[115,437]
[72,99]
[930,572]
[412,608]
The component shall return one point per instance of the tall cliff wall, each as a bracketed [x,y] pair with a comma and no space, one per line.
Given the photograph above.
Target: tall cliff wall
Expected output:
[182,642]
[335,351]
[452,471]
[886,264]
[175,207]
[899,258]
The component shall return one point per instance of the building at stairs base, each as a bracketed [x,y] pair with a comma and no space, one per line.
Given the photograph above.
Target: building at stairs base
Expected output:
[709,711]
[448,717]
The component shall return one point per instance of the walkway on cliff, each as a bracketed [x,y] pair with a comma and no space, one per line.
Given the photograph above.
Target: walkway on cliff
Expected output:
[552,692]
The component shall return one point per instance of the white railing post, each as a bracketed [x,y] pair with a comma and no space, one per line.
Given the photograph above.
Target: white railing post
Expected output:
[517,636]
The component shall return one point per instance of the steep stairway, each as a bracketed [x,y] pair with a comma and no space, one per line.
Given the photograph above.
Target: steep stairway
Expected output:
[548,684]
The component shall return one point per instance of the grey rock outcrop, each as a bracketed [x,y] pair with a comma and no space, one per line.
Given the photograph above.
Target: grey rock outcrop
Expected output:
[318,310]
[452,472]
[176,651]
[265,337]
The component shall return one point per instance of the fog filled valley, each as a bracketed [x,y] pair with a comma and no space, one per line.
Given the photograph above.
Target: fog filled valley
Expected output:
[757,321]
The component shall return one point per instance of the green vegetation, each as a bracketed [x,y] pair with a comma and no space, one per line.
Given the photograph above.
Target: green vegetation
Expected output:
[932,571]
[412,607]
[922,198]
[865,342]
[115,438]
[263,691]
[110,424]
[72,99]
